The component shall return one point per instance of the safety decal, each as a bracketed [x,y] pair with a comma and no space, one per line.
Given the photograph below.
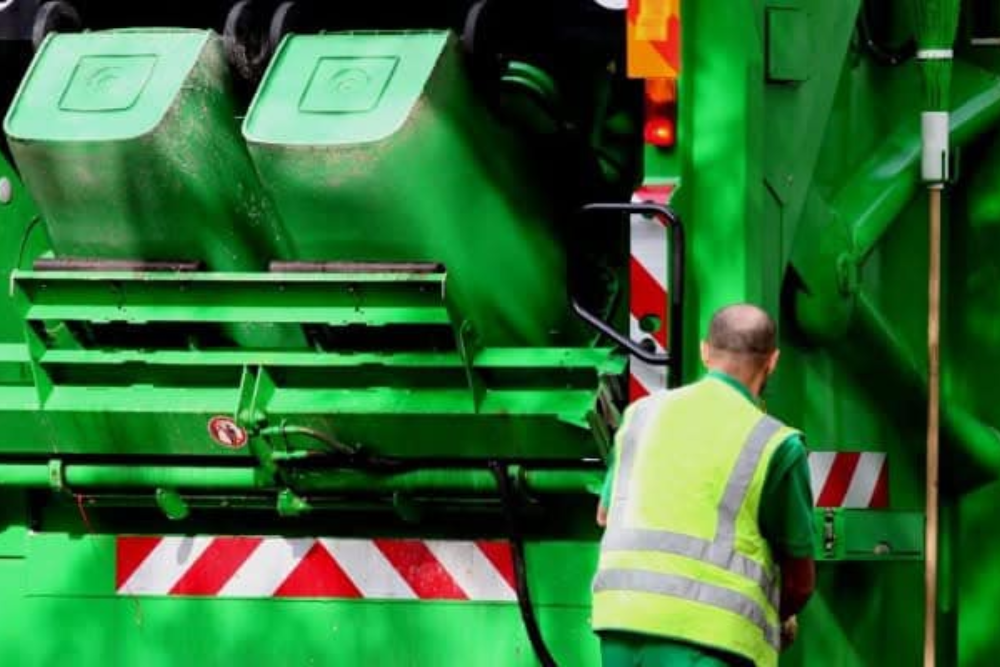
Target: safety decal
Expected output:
[653,39]
[648,287]
[264,567]
[227,433]
[857,480]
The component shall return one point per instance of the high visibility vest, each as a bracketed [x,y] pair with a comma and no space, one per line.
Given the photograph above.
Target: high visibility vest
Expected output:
[682,556]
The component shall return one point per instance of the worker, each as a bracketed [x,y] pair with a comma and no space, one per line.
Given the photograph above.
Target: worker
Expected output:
[707,553]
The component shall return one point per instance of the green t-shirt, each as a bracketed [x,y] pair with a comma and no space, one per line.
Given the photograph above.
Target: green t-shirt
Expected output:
[785,516]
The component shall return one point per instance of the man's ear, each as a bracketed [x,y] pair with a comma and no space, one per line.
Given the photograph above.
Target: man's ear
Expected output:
[772,363]
[706,352]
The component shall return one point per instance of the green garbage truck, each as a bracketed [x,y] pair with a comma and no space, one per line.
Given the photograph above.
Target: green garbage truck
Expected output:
[320,318]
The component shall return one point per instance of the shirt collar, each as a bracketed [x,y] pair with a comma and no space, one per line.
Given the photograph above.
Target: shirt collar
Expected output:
[735,384]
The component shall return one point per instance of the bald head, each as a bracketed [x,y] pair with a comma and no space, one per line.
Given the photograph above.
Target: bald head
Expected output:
[742,342]
[742,329]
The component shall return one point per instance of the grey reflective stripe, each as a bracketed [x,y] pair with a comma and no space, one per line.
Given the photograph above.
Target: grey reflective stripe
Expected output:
[724,556]
[692,590]
[636,426]
[742,476]
[720,551]
[773,592]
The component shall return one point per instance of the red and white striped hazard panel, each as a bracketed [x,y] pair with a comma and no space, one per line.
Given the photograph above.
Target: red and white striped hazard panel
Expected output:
[648,287]
[849,479]
[263,567]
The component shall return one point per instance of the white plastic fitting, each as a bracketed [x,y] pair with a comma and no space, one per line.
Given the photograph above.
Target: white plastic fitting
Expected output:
[934,134]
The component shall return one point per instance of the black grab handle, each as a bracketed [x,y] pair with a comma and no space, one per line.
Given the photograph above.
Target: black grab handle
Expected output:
[672,222]
[635,349]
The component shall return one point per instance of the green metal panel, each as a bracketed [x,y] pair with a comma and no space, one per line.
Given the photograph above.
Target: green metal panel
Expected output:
[299,633]
[826,155]
[73,579]
[789,44]
[869,535]
[23,230]
[13,519]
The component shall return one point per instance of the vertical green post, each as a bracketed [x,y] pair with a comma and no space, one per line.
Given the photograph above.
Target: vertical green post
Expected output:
[722,170]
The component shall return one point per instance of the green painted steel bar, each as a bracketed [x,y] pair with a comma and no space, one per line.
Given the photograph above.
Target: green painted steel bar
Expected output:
[229,278]
[563,481]
[14,353]
[372,316]
[473,482]
[445,480]
[369,315]
[602,359]
[148,477]
[24,475]
[362,401]
[217,478]
[877,193]
[324,298]
[866,206]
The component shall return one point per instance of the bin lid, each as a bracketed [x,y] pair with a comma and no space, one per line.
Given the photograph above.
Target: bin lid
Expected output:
[99,86]
[346,88]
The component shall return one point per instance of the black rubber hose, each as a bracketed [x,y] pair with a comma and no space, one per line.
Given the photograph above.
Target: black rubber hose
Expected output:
[520,571]
[333,445]
[882,55]
[353,454]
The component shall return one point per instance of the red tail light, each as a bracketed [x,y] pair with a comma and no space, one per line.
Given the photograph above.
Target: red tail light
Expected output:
[660,132]
[660,127]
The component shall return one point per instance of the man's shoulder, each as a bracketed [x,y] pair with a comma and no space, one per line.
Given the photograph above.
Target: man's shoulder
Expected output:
[794,438]
[794,442]
[790,455]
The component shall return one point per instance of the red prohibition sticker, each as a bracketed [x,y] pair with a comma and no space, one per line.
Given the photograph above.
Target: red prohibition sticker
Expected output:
[226,432]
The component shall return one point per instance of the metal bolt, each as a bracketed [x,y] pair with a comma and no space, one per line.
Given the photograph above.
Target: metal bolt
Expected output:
[829,536]
[6,190]
[848,274]
[648,344]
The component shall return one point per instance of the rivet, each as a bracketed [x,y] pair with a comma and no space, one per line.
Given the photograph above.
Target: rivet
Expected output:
[6,190]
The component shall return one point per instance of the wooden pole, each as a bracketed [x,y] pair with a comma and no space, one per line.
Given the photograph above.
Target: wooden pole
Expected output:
[933,444]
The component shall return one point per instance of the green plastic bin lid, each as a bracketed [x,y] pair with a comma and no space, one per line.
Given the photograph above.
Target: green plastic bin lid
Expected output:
[115,84]
[345,88]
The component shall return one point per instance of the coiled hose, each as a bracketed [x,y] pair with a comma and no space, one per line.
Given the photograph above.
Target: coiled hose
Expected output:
[520,570]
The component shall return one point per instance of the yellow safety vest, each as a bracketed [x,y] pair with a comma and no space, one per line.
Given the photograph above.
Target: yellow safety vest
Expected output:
[682,556]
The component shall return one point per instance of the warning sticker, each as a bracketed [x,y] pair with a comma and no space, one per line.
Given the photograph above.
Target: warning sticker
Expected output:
[226,432]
